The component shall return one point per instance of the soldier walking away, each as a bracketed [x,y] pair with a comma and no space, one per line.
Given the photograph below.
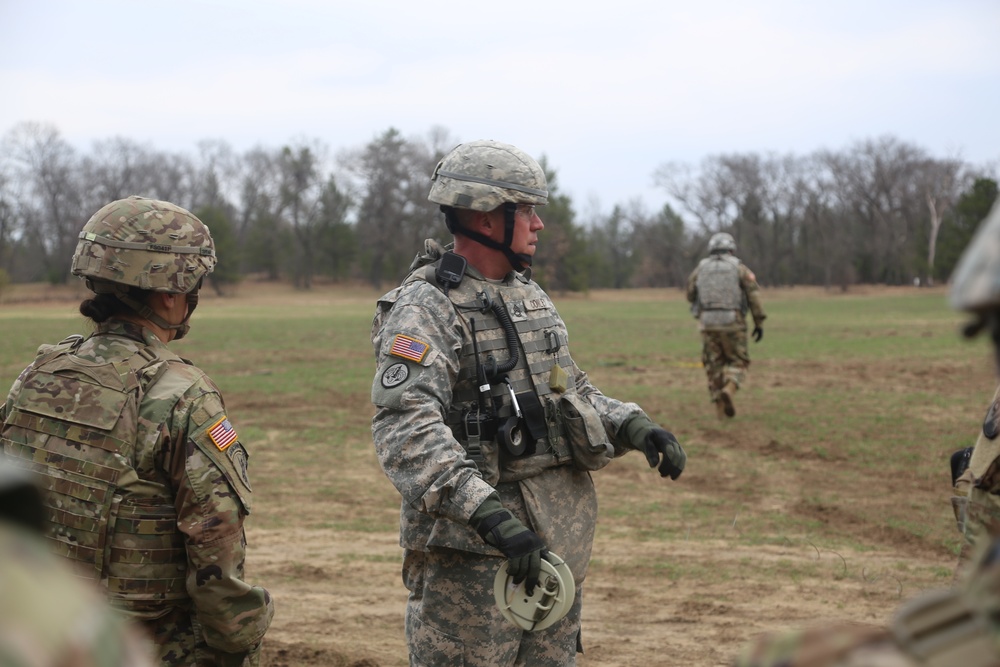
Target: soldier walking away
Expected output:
[489,430]
[721,289]
[145,481]
[944,628]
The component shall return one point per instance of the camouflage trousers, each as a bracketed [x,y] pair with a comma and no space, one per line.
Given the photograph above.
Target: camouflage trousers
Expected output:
[452,617]
[179,642]
[725,357]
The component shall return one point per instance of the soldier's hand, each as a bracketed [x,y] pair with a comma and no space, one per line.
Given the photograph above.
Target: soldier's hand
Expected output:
[758,333]
[662,443]
[523,548]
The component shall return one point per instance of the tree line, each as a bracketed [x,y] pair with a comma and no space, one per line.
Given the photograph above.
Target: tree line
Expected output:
[878,211]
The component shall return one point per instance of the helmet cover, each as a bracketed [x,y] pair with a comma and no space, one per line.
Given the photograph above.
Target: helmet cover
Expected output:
[145,243]
[721,242]
[482,175]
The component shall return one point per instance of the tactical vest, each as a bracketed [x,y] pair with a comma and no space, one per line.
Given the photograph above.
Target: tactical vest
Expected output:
[541,347]
[719,292]
[75,423]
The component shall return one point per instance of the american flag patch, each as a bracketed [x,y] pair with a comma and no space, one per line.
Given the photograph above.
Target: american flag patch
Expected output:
[409,348]
[222,434]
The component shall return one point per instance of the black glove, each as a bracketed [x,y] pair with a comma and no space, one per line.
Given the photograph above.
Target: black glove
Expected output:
[654,442]
[758,333]
[522,547]
[662,442]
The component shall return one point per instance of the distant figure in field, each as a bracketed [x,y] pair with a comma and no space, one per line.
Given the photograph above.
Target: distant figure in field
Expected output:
[146,484]
[944,628]
[720,290]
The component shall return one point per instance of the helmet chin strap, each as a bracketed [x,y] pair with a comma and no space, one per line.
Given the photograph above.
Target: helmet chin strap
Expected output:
[144,311]
[518,261]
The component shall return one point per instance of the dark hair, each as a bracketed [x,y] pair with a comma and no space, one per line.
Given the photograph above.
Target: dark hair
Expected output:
[103,307]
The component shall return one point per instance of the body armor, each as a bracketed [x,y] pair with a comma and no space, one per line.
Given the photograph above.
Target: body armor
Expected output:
[75,422]
[719,294]
[532,386]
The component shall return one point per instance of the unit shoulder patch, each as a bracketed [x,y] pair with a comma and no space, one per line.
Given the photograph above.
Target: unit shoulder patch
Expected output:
[395,375]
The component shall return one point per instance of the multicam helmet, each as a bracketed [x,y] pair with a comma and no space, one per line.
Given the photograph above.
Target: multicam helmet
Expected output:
[721,242]
[481,175]
[975,283]
[145,243]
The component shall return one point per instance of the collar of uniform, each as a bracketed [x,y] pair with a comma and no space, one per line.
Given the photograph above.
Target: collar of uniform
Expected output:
[522,276]
[115,327]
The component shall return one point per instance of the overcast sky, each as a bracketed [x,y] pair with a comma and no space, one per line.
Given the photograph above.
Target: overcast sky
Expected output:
[607,91]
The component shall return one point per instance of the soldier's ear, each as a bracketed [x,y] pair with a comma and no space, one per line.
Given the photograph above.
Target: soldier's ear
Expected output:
[482,222]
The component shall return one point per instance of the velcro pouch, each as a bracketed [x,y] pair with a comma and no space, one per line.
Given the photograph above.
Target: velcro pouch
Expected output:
[588,440]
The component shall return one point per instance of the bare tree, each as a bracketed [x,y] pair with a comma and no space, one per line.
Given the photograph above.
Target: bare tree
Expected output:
[50,199]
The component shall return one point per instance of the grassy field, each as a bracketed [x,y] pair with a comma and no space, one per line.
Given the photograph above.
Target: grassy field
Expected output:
[826,497]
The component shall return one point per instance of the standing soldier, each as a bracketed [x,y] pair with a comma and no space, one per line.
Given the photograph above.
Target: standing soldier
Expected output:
[720,289]
[145,480]
[945,628]
[489,430]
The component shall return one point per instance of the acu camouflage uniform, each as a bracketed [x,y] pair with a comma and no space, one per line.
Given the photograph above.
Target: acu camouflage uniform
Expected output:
[427,441]
[720,289]
[146,488]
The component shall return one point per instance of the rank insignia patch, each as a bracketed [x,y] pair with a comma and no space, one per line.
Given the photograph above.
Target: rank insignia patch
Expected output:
[409,348]
[222,434]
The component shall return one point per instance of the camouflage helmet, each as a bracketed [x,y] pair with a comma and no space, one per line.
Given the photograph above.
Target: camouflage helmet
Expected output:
[721,242]
[145,243]
[975,283]
[482,175]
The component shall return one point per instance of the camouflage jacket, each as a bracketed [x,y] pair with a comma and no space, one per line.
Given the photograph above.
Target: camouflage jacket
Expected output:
[48,616]
[748,286]
[177,483]
[426,379]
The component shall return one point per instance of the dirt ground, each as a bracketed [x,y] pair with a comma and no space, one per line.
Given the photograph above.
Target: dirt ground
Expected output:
[693,598]
[690,601]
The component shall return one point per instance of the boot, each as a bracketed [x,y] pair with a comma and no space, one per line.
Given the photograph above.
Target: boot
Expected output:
[720,408]
[726,398]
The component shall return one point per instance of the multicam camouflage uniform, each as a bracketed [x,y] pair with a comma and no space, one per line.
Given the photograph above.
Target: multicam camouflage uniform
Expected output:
[976,491]
[945,628]
[48,616]
[146,482]
[720,289]
[948,628]
[151,505]
[425,392]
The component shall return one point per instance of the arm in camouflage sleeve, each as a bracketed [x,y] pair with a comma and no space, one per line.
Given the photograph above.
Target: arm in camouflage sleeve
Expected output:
[692,286]
[750,287]
[16,387]
[209,473]
[416,449]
